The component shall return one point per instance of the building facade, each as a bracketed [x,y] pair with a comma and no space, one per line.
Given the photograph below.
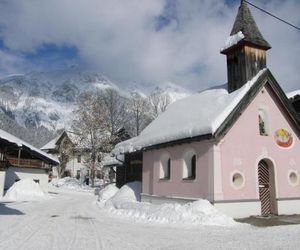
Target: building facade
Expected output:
[75,166]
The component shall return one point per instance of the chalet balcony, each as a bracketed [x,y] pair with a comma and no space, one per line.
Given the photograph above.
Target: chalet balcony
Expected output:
[27,163]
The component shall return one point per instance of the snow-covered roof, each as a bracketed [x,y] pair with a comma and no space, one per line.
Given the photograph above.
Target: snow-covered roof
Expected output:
[199,114]
[233,40]
[20,143]
[51,144]
[112,161]
[293,93]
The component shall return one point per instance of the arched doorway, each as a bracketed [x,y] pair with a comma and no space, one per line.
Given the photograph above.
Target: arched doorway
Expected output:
[266,187]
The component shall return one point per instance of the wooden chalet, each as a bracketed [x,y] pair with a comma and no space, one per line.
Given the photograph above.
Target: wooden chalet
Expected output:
[20,160]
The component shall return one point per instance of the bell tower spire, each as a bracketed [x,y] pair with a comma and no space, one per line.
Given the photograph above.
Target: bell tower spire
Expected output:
[247,56]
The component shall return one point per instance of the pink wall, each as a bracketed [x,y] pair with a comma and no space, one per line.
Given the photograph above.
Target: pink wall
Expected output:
[243,147]
[239,151]
[177,187]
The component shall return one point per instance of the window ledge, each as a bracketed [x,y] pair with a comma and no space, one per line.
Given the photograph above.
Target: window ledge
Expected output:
[164,179]
[188,179]
[264,134]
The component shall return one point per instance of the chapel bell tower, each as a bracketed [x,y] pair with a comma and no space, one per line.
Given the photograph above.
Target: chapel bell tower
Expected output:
[248,56]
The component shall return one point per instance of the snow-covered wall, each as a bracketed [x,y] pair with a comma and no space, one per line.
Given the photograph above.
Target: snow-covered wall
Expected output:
[15,173]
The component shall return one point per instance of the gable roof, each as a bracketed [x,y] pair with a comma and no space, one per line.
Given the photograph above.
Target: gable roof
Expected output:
[51,144]
[56,141]
[11,139]
[206,115]
[245,23]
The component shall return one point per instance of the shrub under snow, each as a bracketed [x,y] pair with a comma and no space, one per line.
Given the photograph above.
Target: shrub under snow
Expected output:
[25,190]
[125,203]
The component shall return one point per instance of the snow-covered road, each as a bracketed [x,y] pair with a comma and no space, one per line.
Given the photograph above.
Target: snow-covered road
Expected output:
[73,221]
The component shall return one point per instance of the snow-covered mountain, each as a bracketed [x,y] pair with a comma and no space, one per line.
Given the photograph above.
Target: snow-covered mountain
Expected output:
[47,99]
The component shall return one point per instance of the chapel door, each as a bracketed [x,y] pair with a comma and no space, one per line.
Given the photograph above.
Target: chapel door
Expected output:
[266,187]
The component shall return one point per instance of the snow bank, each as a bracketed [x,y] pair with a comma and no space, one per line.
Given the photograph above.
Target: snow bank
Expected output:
[233,40]
[106,193]
[70,183]
[127,194]
[125,204]
[25,190]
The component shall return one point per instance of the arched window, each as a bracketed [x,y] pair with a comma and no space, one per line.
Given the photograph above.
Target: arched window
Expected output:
[189,165]
[165,167]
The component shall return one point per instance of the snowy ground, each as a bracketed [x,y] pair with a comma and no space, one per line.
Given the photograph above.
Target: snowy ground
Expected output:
[74,221]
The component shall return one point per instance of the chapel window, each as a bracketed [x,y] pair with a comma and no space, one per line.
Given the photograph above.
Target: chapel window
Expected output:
[263,122]
[165,167]
[189,165]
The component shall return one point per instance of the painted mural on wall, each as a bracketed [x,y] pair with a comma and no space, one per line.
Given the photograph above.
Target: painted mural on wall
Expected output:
[283,138]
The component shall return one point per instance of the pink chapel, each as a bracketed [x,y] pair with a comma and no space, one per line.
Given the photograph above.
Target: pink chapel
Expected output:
[237,148]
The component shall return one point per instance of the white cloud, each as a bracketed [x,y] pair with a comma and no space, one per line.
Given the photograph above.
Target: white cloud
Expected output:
[10,63]
[119,38]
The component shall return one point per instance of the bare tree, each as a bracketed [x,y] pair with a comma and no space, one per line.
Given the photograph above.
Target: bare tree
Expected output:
[91,127]
[158,102]
[139,112]
[115,106]
[65,150]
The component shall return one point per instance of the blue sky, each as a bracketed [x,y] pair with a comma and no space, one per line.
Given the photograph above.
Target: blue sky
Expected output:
[141,41]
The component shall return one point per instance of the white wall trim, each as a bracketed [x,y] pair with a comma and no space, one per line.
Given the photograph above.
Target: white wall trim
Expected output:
[291,206]
[239,209]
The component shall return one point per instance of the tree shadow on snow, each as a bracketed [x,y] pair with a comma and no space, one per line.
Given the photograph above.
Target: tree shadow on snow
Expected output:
[4,210]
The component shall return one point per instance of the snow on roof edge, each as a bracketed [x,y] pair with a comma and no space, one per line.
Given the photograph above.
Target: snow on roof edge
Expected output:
[233,40]
[112,161]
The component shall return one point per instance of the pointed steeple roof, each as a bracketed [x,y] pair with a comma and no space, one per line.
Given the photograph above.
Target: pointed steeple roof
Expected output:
[244,22]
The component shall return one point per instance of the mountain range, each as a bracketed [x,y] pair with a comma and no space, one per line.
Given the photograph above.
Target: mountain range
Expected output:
[36,105]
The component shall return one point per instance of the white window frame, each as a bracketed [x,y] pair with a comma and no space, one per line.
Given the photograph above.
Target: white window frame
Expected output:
[165,166]
[263,113]
[187,173]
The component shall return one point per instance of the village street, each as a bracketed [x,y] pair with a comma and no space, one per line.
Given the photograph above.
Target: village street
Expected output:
[74,221]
